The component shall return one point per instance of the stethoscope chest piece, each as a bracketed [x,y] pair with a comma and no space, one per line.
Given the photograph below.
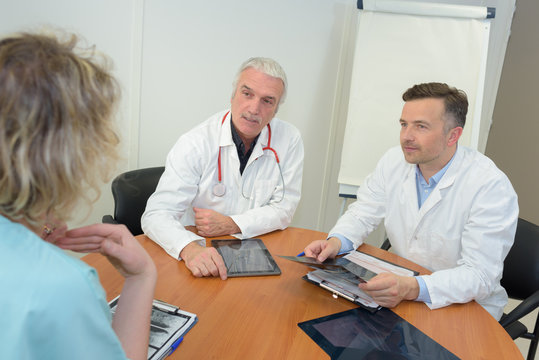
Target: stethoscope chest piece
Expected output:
[219,189]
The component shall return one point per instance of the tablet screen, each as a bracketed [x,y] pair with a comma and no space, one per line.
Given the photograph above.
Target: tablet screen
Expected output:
[248,257]
[383,335]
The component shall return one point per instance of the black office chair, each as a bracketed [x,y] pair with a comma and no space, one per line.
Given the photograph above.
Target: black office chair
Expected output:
[131,191]
[386,245]
[521,281]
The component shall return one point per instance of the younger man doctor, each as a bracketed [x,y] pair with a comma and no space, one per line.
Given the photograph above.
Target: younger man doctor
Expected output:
[445,207]
[239,173]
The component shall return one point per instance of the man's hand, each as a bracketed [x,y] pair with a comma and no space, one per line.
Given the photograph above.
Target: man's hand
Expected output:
[203,261]
[323,249]
[210,223]
[389,290]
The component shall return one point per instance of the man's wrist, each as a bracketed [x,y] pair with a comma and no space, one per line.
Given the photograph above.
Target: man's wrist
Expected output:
[188,249]
[412,286]
[233,227]
[335,243]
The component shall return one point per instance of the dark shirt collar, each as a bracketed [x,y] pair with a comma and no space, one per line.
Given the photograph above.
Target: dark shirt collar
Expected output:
[240,146]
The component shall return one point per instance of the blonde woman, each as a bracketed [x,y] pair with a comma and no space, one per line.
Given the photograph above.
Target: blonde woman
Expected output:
[57,142]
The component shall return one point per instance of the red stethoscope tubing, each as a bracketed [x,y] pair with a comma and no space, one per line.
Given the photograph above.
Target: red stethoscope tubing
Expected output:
[269,145]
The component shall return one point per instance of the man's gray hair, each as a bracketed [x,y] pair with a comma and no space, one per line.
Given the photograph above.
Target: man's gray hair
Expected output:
[267,66]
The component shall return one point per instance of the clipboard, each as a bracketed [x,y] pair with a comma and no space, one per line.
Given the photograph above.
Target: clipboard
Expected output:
[341,276]
[346,289]
[168,325]
[247,257]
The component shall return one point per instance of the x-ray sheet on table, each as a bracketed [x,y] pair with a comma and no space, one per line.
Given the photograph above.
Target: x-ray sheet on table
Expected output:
[248,257]
[335,265]
[168,324]
[162,328]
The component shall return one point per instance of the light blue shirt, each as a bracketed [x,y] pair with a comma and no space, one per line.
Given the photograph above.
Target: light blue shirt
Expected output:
[52,305]
[424,189]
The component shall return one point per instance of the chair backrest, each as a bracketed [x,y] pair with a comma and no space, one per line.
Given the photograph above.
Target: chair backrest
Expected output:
[131,191]
[521,266]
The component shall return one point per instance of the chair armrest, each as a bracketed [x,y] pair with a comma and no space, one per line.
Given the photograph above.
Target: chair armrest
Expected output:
[385,245]
[524,308]
[108,219]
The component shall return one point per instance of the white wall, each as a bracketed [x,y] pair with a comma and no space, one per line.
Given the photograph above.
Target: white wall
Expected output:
[513,141]
[176,60]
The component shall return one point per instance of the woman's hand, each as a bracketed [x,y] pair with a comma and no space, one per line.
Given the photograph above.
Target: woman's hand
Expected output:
[115,242]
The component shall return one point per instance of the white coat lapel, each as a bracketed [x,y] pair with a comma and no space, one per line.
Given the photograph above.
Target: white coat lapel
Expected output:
[230,161]
[260,144]
[434,198]
[409,194]
[225,137]
[409,203]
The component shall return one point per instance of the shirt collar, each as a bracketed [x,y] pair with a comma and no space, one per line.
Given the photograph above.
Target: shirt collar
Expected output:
[434,179]
[237,140]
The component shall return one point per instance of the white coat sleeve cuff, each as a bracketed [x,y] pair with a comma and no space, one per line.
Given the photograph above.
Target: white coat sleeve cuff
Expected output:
[171,238]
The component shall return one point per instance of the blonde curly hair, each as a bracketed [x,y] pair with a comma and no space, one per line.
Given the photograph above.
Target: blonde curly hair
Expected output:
[57,139]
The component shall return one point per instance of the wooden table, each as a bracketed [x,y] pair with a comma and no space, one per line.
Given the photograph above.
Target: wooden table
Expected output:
[256,317]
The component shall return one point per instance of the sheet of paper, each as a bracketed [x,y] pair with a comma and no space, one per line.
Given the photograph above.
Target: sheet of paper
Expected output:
[376,265]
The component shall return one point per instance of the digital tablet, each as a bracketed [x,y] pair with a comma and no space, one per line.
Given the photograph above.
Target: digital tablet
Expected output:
[383,335]
[248,257]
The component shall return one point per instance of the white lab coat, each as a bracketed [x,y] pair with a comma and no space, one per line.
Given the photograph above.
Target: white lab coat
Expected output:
[191,172]
[462,232]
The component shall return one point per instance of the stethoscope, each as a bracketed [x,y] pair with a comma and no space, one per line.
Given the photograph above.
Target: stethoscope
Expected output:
[219,189]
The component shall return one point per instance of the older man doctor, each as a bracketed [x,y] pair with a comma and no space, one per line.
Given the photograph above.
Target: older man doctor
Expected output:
[238,173]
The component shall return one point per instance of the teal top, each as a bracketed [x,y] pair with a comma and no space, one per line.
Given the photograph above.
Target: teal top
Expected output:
[52,305]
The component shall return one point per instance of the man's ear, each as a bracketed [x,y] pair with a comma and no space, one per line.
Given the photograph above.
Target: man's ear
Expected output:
[454,135]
